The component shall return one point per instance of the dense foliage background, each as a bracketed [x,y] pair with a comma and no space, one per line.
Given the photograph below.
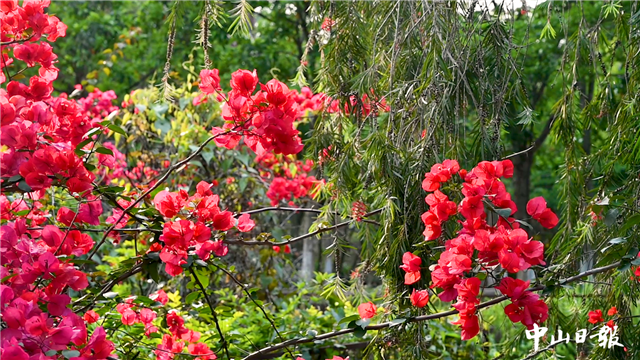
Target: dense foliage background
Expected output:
[553,88]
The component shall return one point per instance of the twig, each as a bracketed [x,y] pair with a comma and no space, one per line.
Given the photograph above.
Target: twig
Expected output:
[518,153]
[134,270]
[213,312]
[276,208]
[301,237]
[16,41]
[255,355]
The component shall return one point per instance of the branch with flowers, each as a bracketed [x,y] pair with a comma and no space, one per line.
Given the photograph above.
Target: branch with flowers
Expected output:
[416,301]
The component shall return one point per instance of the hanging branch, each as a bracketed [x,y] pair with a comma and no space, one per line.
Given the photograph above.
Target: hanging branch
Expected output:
[166,87]
[257,354]
[203,35]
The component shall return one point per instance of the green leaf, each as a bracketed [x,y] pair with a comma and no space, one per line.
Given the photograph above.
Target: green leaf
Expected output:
[152,269]
[548,31]
[631,221]
[200,262]
[202,277]
[116,129]
[359,332]
[104,150]
[192,297]
[22,185]
[397,321]
[79,147]
[8,277]
[505,213]
[81,261]
[23,212]
[70,353]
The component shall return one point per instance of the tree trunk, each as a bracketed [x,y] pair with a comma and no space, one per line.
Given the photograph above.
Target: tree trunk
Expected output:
[522,183]
[522,190]
[328,260]
[309,249]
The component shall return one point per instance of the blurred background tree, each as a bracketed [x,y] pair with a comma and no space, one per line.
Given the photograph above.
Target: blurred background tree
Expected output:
[122,45]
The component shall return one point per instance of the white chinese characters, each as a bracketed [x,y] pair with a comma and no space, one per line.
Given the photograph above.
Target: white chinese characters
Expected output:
[606,336]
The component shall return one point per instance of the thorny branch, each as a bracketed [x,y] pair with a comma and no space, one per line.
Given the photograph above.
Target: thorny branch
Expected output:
[301,237]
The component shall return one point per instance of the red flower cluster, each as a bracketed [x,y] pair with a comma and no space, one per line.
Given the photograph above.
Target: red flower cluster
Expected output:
[419,298]
[537,208]
[440,206]
[596,317]
[526,307]
[25,25]
[182,236]
[286,249]
[327,24]
[265,119]
[10,210]
[468,290]
[25,260]
[99,104]
[39,134]
[480,243]
[290,177]
[132,314]
[174,343]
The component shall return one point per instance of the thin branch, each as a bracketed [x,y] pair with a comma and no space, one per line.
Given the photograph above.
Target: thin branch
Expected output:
[543,135]
[213,312]
[301,237]
[518,153]
[276,208]
[16,41]
[257,354]
[244,288]
[134,270]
